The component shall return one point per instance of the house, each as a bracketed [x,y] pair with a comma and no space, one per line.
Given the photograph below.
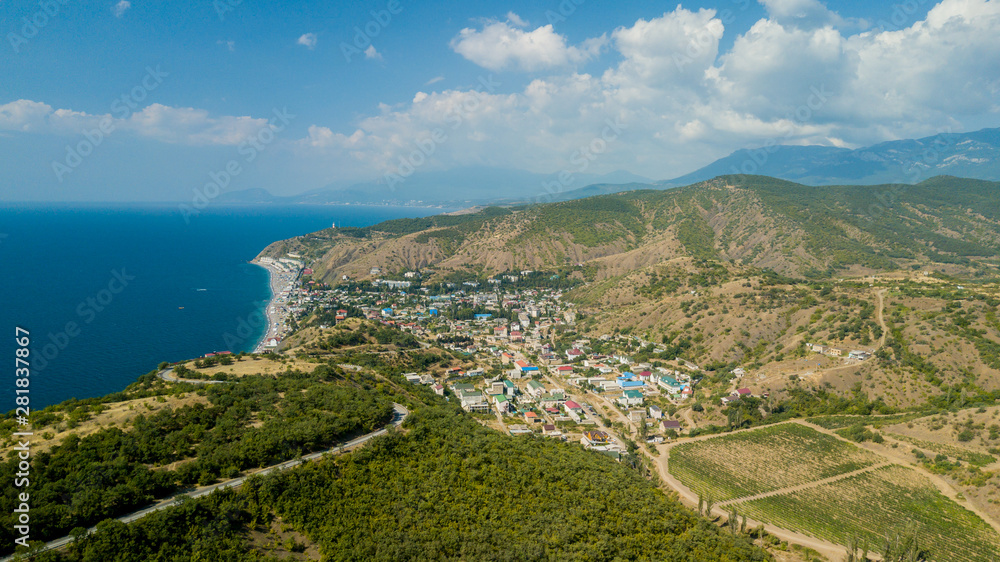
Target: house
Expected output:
[412,378]
[743,392]
[628,380]
[516,336]
[637,416]
[861,355]
[669,384]
[532,417]
[509,388]
[671,424]
[438,389]
[655,412]
[518,429]
[502,403]
[817,348]
[834,351]
[551,431]
[592,438]
[524,367]
[475,373]
[686,392]
[631,398]
[564,369]
[535,388]
[574,354]
[726,400]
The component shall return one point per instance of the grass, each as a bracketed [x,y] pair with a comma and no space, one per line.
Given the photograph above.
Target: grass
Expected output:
[753,462]
[879,503]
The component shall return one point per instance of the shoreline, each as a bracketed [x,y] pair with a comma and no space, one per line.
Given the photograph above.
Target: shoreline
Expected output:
[281,279]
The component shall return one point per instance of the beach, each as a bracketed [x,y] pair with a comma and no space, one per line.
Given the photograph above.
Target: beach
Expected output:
[283,275]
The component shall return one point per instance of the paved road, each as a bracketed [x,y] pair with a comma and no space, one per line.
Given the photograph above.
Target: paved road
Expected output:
[400,413]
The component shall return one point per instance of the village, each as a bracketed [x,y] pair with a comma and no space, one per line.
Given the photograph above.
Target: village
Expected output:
[530,373]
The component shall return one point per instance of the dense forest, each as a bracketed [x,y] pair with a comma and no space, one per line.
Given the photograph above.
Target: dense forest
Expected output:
[445,489]
[256,422]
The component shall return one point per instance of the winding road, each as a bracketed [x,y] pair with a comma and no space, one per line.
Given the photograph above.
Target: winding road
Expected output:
[399,414]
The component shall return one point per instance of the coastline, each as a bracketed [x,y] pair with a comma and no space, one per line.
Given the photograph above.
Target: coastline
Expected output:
[281,280]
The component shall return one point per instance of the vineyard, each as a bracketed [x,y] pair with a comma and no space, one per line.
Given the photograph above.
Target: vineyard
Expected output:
[753,462]
[882,502]
[960,453]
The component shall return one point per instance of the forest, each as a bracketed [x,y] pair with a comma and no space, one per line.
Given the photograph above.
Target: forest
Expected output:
[255,422]
[445,489]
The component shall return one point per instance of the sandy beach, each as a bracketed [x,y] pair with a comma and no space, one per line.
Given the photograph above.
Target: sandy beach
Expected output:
[283,277]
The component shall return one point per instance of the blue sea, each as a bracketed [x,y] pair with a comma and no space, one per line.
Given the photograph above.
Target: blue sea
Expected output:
[108,292]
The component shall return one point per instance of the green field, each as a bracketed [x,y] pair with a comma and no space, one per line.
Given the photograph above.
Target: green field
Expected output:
[878,503]
[753,462]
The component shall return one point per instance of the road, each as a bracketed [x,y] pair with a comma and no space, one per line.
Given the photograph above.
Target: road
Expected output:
[399,414]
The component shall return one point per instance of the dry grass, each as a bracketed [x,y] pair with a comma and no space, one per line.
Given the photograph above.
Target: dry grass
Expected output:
[117,414]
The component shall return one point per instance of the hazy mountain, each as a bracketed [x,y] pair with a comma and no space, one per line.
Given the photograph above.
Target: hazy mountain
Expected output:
[968,155]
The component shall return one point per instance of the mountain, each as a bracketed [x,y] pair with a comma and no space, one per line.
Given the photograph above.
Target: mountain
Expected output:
[465,186]
[755,221]
[970,155]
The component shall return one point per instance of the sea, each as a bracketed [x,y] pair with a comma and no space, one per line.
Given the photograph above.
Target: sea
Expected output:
[107,292]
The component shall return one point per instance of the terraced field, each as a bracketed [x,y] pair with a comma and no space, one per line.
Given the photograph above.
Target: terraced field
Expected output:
[879,503]
[754,462]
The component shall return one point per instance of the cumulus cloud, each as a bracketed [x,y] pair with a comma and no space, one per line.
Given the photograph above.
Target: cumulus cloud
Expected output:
[802,75]
[307,40]
[371,53]
[677,99]
[502,45]
[120,8]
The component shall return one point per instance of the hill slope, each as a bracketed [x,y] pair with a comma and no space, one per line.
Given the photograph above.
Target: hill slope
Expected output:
[751,221]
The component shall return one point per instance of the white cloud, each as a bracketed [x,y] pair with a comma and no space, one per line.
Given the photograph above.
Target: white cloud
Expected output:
[798,76]
[516,20]
[175,125]
[682,102]
[231,45]
[308,40]
[502,45]
[120,8]
[371,53]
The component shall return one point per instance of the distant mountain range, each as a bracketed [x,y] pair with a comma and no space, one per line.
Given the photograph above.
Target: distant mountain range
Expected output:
[973,155]
[465,186]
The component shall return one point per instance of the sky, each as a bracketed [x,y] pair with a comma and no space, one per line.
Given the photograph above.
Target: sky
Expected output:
[130,100]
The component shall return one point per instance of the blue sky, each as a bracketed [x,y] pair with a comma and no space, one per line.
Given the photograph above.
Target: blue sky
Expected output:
[208,84]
